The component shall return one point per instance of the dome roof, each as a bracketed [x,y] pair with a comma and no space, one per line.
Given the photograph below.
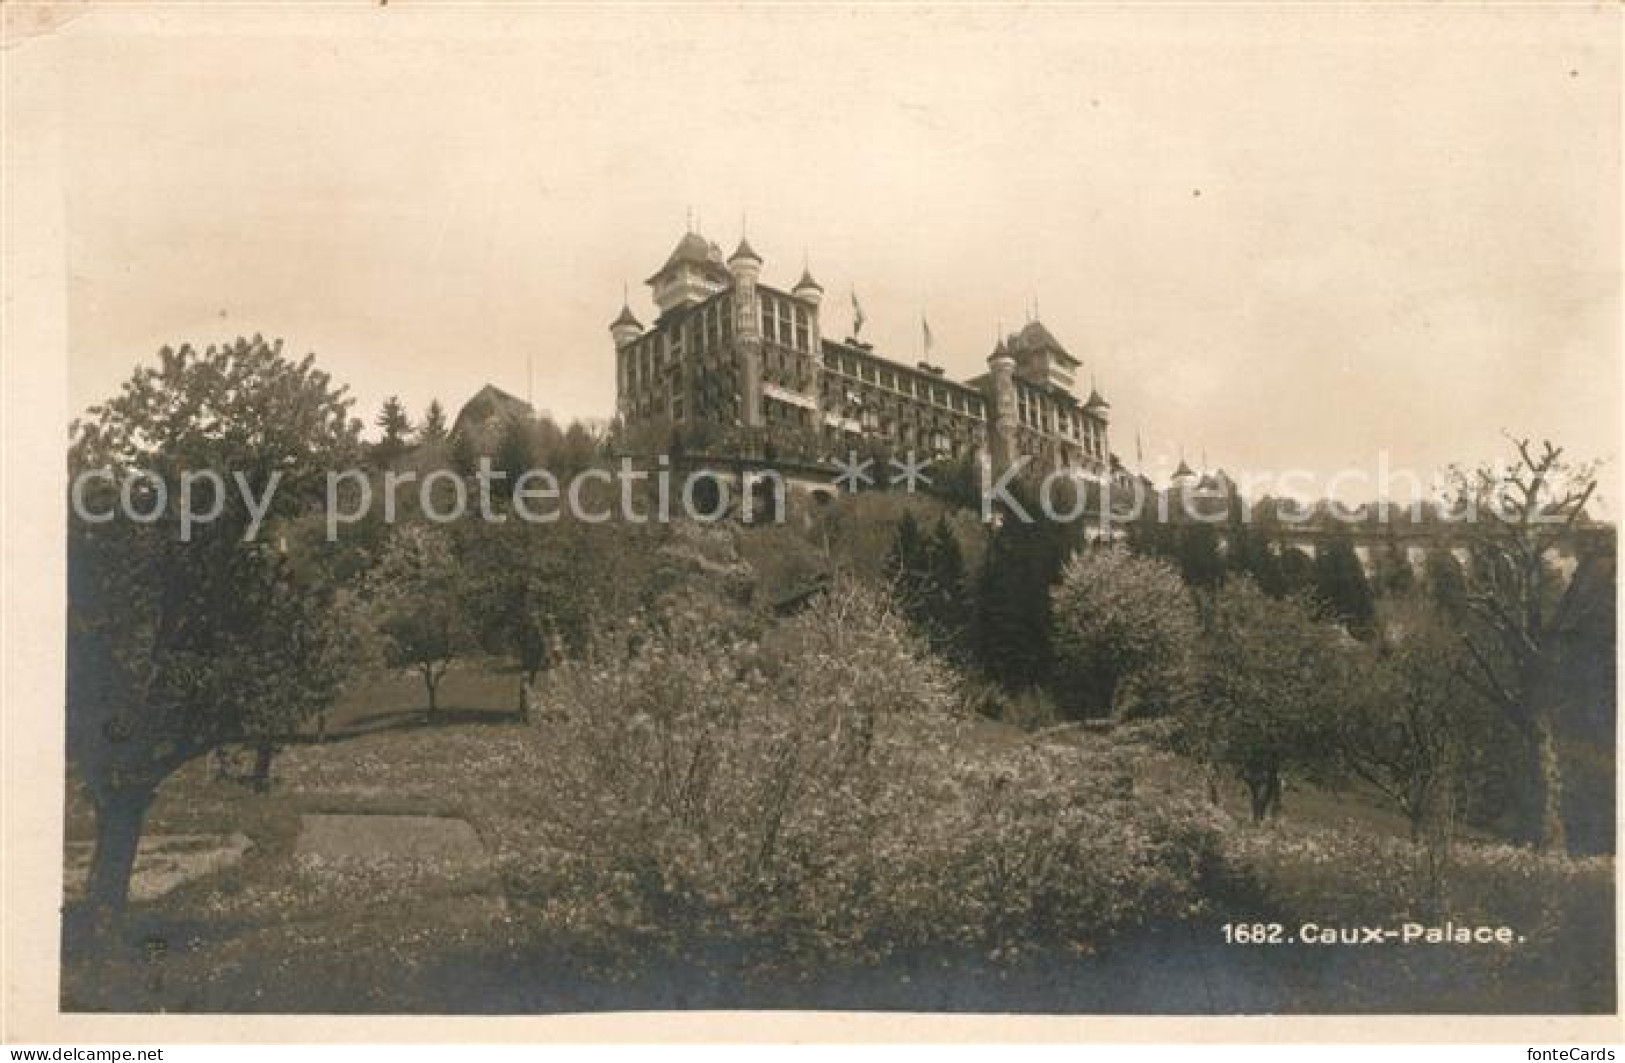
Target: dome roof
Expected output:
[692,250]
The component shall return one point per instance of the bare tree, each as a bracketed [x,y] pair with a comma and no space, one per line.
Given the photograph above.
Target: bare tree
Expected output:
[1521,520]
[1408,720]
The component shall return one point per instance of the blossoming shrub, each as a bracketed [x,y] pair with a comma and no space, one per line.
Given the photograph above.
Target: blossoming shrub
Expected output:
[811,791]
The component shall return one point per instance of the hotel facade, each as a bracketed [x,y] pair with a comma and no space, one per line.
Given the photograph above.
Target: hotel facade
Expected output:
[733,366]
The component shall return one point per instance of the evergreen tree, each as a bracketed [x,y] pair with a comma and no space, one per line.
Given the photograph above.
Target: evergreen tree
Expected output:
[907,563]
[396,425]
[1249,554]
[1341,585]
[945,603]
[1444,582]
[908,567]
[1393,575]
[433,429]
[1022,563]
[1197,554]
[1297,572]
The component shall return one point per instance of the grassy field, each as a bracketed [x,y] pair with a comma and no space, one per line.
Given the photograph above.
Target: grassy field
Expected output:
[268,934]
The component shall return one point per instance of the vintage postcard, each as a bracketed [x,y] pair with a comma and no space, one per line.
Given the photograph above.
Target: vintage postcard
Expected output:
[1056,522]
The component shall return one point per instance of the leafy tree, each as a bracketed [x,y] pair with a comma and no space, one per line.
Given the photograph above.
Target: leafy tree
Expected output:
[1125,632]
[396,426]
[577,448]
[433,429]
[1269,682]
[518,450]
[179,647]
[465,453]
[419,595]
[539,591]
[1524,516]
[1341,586]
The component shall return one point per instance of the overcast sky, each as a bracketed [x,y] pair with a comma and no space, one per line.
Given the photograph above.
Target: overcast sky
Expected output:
[1279,237]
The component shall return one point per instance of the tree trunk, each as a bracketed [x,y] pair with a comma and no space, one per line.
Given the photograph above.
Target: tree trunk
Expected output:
[263,753]
[526,684]
[1258,792]
[432,684]
[1550,834]
[119,817]
[1274,796]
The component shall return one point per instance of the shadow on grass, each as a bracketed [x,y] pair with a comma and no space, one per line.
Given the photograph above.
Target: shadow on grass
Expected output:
[374,723]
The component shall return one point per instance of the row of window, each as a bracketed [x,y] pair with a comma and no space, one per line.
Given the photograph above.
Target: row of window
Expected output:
[903,383]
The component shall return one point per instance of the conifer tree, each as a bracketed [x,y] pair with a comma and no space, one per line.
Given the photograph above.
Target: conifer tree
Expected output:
[433,429]
[946,593]
[396,425]
[1341,585]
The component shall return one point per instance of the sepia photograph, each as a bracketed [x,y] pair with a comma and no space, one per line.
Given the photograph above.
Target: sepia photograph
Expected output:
[984,511]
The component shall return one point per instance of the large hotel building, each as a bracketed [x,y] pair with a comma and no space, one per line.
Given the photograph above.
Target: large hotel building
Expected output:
[733,366]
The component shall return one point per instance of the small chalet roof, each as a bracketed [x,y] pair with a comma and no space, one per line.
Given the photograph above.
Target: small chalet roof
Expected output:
[489,405]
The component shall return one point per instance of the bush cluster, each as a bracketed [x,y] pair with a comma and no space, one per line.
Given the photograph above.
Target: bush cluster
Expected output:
[811,792]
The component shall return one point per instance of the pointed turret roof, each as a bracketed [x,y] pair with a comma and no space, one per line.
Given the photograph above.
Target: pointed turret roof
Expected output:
[1095,402]
[626,318]
[807,282]
[1183,472]
[744,251]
